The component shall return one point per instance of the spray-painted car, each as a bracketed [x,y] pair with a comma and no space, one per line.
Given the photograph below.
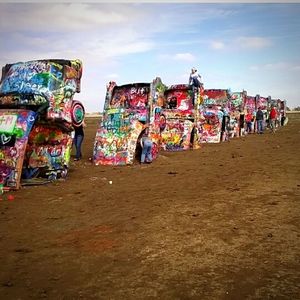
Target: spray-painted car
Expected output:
[128,110]
[37,114]
[237,115]
[180,119]
[215,110]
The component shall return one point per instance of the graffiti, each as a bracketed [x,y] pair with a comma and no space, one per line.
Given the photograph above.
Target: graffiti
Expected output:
[7,140]
[215,107]
[177,135]
[211,125]
[7,122]
[25,78]
[262,103]
[216,97]
[13,143]
[127,111]
[130,97]
[42,81]
[48,148]
[38,141]
[177,120]
[237,101]
[180,99]
[117,136]
[77,113]
[250,104]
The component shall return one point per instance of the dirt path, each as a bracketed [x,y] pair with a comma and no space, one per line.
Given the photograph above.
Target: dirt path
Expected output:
[221,222]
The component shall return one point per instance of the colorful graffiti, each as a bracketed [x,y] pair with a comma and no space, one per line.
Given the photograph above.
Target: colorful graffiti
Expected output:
[215,107]
[216,97]
[250,104]
[179,115]
[77,113]
[236,114]
[135,96]
[262,103]
[177,134]
[15,126]
[37,142]
[117,136]
[49,82]
[237,100]
[128,110]
[179,97]
[48,152]
[211,125]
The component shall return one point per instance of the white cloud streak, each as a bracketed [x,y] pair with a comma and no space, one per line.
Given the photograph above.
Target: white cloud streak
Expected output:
[217,45]
[183,57]
[253,42]
[279,66]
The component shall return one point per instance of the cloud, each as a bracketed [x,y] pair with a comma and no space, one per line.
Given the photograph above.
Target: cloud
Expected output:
[184,57]
[217,45]
[278,66]
[63,17]
[296,68]
[238,43]
[253,42]
[97,47]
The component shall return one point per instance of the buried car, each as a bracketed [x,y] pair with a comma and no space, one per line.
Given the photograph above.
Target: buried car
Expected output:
[37,115]
[128,110]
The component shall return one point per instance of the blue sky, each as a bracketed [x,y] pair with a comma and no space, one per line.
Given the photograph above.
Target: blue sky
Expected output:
[251,46]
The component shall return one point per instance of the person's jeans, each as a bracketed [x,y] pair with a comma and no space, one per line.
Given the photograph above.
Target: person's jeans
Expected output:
[249,127]
[78,139]
[260,126]
[272,124]
[147,152]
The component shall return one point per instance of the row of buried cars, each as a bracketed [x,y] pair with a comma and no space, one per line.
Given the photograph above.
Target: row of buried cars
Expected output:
[38,114]
[178,118]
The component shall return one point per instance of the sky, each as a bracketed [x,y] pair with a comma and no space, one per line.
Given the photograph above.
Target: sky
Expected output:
[234,45]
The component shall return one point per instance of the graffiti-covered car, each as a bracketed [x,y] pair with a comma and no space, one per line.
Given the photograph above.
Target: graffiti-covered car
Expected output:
[37,115]
[237,114]
[215,110]
[180,116]
[128,110]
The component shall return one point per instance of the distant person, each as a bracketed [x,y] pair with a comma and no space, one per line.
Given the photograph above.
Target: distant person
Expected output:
[78,139]
[147,145]
[272,119]
[195,81]
[283,117]
[242,123]
[248,119]
[225,128]
[260,121]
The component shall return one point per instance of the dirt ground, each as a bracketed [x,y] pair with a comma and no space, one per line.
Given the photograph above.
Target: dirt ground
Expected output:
[221,222]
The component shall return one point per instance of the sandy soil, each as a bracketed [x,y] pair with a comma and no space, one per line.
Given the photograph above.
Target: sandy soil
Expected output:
[221,222]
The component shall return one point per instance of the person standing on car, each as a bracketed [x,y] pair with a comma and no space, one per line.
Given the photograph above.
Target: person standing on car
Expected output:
[195,81]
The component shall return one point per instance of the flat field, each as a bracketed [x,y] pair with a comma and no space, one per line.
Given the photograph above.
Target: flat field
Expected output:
[221,222]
